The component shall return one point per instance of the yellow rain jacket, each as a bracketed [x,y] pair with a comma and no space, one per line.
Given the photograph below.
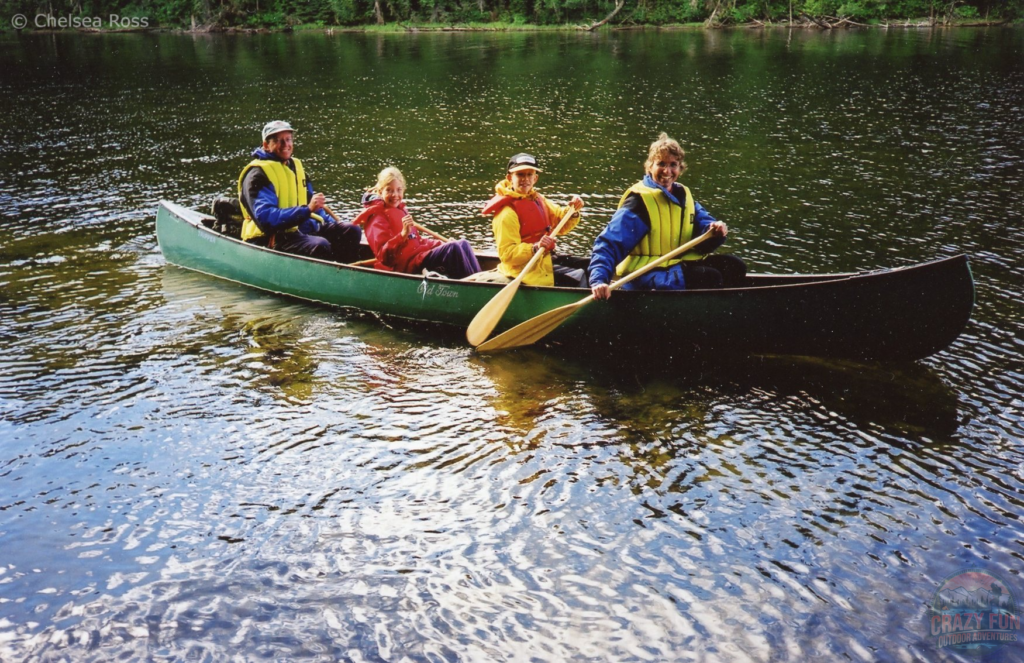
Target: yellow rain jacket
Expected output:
[513,252]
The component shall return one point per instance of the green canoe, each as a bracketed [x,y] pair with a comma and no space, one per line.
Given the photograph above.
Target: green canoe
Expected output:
[892,314]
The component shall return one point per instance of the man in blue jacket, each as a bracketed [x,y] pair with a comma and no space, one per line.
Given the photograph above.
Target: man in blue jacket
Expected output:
[280,209]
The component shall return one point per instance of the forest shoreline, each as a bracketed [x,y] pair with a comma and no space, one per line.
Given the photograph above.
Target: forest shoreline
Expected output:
[824,24]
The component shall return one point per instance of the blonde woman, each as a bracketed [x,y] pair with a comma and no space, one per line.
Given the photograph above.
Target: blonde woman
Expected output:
[395,240]
[656,215]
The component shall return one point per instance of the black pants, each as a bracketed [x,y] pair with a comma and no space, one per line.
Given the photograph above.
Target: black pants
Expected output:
[570,271]
[714,271]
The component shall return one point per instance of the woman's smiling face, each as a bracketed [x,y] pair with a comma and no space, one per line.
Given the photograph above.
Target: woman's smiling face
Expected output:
[665,171]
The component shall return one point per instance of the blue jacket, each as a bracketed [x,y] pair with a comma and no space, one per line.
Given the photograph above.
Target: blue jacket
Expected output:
[628,226]
[261,199]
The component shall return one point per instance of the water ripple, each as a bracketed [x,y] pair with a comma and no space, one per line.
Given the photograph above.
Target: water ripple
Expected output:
[192,469]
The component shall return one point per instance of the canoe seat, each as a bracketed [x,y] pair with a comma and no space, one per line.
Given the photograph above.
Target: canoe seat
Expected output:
[488,276]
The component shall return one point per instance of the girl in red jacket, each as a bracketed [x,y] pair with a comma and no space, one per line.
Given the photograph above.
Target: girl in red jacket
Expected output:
[396,241]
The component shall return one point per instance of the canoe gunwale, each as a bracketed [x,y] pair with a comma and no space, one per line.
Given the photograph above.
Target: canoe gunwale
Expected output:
[195,218]
[893,314]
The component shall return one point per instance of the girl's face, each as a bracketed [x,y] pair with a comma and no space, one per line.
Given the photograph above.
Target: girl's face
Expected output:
[523,181]
[393,193]
[665,171]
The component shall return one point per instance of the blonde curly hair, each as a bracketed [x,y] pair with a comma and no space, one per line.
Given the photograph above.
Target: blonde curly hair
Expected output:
[665,146]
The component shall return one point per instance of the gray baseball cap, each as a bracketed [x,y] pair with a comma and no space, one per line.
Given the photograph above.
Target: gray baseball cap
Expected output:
[277,126]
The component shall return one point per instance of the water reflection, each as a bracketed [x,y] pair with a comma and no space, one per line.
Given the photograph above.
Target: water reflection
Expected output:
[910,397]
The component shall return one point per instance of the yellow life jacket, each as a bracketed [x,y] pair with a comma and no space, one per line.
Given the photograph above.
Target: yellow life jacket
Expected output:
[289,186]
[671,226]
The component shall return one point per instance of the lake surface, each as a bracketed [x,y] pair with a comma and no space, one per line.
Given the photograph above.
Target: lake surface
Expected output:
[193,470]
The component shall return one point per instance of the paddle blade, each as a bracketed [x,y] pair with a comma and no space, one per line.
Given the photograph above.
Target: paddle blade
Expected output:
[532,330]
[487,318]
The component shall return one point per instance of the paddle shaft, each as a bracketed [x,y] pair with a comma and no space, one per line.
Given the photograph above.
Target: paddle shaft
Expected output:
[650,266]
[539,255]
[679,250]
[331,213]
[431,233]
[487,318]
[418,226]
[540,326]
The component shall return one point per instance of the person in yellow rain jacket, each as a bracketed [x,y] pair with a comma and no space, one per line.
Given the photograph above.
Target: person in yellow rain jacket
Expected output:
[522,220]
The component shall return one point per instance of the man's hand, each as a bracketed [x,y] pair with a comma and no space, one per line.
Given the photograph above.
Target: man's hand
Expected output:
[719,228]
[601,291]
[317,202]
[576,203]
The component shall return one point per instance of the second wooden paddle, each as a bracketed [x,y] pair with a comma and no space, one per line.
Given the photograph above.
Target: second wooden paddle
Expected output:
[540,326]
[487,318]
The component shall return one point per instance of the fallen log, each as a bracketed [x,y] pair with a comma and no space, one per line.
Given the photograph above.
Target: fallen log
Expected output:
[820,23]
[846,21]
[593,26]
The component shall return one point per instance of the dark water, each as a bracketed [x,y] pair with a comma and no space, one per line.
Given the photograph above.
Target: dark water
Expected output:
[191,470]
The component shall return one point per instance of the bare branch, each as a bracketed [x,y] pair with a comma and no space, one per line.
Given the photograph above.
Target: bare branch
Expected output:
[593,26]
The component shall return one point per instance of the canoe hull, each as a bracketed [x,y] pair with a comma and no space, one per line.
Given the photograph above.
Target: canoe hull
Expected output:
[891,315]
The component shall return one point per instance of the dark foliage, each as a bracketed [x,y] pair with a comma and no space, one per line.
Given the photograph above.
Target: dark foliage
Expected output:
[284,13]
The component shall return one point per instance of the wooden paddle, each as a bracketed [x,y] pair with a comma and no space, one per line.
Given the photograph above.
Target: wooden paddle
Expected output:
[487,318]
[418,226]
[431,233]
[537,328]
[331,212]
